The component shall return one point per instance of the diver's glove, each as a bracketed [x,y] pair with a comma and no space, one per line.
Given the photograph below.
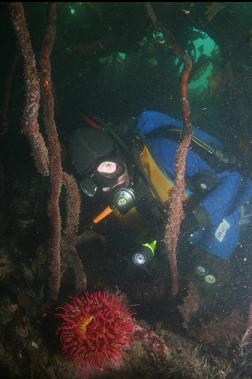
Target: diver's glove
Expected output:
[196,220]
[190,225]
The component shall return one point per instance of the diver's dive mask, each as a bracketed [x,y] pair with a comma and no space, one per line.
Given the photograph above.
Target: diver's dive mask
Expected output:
[107,172]
[107,176]
[104,176]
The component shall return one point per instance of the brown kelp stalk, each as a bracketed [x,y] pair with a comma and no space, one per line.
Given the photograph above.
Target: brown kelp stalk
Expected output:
[54,152]
[71,229]
[176,212]
[31,110]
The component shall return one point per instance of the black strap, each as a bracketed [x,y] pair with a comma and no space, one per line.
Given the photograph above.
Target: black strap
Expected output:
[220,159]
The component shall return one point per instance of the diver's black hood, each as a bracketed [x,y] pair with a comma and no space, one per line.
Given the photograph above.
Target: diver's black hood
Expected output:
[87,146]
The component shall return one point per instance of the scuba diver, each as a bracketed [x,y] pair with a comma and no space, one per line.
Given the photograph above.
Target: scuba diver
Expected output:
[135,173]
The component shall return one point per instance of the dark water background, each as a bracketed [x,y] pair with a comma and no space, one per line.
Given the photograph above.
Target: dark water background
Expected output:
[107,62]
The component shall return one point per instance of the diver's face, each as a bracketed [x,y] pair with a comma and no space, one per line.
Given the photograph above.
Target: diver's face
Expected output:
[111,168]
[107,168]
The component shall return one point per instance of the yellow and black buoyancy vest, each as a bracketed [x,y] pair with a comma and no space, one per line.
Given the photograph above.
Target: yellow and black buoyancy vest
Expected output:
[159,185]
[162,184]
